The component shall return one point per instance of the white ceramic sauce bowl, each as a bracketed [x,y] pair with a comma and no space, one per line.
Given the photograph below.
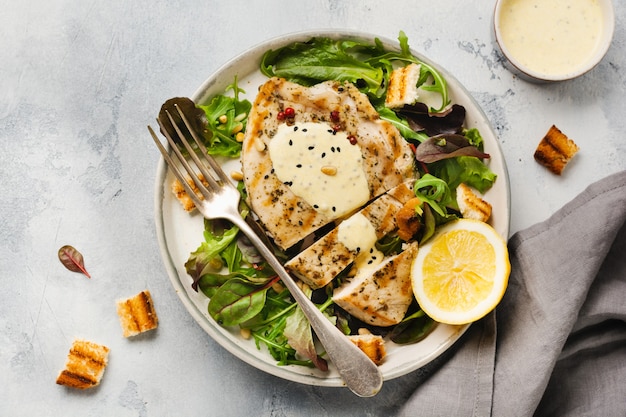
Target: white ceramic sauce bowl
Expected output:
[553,40]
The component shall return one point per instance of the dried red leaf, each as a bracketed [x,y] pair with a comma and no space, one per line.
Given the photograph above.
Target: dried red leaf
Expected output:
[441,147]
[72,260]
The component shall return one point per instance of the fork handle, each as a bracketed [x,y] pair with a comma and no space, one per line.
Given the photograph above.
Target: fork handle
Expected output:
[357,370]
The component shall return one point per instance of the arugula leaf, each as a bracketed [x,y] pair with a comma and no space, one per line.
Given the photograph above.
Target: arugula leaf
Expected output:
[434,191]
[208,255]
[401,124]
[221,134]
[427,72]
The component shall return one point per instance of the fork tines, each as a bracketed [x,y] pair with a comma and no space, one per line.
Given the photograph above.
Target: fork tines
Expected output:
[213,184]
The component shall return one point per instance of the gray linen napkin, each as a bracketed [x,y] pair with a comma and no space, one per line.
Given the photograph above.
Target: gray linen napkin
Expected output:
[558,346]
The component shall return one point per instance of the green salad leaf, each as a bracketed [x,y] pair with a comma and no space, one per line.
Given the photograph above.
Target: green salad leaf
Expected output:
[321,59]
[366,65]
[464,169]
[242,289]
[226,116]
[236,301]
[208,257]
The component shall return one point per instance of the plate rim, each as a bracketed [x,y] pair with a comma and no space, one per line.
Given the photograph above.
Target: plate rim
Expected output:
[159,194]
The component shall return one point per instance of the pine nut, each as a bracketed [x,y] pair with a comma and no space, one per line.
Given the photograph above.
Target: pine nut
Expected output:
[329,170]
[259,145]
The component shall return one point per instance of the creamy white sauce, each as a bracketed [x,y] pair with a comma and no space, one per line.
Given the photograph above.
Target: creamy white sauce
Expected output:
[551,37]
[359,235]
[320,166]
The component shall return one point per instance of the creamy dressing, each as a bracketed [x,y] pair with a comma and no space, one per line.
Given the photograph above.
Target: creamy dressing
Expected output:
[551,37]
[320,166]
[359,235]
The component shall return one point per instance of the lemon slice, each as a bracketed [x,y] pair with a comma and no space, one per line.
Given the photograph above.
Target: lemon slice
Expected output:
[461,273]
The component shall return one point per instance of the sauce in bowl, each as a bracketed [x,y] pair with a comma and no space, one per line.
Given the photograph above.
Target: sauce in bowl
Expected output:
[553,39]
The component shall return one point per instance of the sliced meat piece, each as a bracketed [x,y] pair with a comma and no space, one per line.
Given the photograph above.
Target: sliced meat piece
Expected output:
[321,262]
[381,296]
[288,218]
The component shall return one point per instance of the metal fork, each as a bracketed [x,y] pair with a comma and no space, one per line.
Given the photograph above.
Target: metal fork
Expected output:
[221,200]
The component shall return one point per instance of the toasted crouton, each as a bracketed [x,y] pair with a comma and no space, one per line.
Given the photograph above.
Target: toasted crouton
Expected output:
[555,150]
[471,205]
[372,345]
[402,87]
[86,362]
[137,314]
[179,191]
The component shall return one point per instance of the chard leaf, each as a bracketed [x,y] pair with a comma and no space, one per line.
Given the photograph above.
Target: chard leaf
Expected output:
[73,260]
[413,328]
[237,301]
[420,119]
[210,282]
[446,146]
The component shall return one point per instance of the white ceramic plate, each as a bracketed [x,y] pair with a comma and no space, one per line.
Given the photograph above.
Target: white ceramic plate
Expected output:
[180,233]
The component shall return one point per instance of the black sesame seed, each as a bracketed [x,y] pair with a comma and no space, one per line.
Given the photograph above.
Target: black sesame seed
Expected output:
[299,166]
[290,142]
[311,147]
[323,154]
[305,130]
[295,128]
[334,208]
[332,148]
[315,206]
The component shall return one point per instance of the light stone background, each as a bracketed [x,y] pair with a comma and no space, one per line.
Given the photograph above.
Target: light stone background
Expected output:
[79,82]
